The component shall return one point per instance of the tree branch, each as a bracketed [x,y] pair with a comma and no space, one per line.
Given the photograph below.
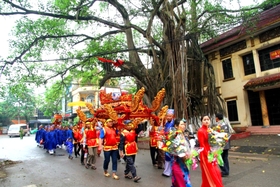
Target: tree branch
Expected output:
[60,16]
[114,74]
[101,36]
[56,37]
[147,34]
[42,38]
[226,11]
[62,72]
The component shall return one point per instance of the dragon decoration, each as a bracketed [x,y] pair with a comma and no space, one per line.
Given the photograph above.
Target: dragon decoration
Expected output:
[124,106]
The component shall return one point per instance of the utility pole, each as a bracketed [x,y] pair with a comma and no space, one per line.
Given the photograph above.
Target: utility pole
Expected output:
[18,110]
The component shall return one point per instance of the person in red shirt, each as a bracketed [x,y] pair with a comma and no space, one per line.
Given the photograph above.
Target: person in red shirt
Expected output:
[128,147]
[92,144]
[108,141]
[77,138]
[154,136]
[211,175]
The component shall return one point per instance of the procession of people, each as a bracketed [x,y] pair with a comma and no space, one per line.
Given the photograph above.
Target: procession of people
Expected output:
[88,140]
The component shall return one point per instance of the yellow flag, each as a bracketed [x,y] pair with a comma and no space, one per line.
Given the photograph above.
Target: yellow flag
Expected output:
[77,103]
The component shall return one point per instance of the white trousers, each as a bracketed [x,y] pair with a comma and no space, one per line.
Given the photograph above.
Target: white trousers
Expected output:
[167,168]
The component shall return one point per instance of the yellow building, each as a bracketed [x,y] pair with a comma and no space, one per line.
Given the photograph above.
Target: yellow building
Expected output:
[87,93]
[246,62]
[90,94]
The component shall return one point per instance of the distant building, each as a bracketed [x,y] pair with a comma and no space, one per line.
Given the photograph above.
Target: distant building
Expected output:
[67,111]
[89,94]
[246,63]
[39,119]
[15,121]
[86,93]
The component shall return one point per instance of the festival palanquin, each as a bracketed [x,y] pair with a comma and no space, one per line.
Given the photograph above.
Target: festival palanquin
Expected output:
[123,106]
[57,119]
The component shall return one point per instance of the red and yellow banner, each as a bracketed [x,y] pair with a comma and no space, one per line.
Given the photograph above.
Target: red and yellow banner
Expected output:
[274,54]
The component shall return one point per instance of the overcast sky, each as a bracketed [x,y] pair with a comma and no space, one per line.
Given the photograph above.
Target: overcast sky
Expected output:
[7,22]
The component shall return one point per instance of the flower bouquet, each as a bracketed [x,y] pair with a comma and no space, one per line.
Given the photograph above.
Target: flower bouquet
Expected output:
[217,141]
[192,158]
[175,143]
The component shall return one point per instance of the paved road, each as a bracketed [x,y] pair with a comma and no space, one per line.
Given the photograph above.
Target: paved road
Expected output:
[38,169]
[262,144]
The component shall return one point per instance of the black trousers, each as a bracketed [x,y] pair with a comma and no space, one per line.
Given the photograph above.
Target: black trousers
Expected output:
[154,154]
[77,148]
[83,151]
[225,168]
[161,158]
[130,165]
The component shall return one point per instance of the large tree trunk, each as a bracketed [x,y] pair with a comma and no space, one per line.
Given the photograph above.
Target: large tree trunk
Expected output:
[177,59]
[179,66]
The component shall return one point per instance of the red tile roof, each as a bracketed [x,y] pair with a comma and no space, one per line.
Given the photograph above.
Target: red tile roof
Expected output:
[264,19]
[20,121]
[265,81]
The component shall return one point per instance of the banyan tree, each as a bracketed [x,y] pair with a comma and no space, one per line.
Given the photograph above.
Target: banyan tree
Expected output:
[155,42]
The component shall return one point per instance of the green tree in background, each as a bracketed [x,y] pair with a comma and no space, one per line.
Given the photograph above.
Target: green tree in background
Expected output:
[157,39]
[18,102]
[51,102]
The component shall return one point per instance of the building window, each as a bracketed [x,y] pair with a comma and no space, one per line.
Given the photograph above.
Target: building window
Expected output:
[227,69]
[90,99]
[270,34]
[233,48]
[248,64]
[232,110]
[265,61]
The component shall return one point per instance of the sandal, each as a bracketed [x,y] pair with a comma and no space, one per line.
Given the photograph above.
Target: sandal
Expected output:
[128,176]
[107,174]
[86,166]
[115,177]
[93,167]
[136,179]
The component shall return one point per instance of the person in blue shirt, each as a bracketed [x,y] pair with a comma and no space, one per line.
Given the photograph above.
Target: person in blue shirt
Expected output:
[38,135]
[169,120]
[69,144]
[168,157]
[59,136]
[51,140]
[69,132]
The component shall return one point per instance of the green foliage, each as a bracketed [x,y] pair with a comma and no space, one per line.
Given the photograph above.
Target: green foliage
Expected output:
[52,101]
[76,120]
[6,113]
[18,102]
[132,89]
[65,124]
[62,39]
[64,5]
[70,6]
[269,4]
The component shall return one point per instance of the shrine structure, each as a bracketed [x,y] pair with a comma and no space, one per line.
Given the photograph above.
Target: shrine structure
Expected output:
[122,106]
